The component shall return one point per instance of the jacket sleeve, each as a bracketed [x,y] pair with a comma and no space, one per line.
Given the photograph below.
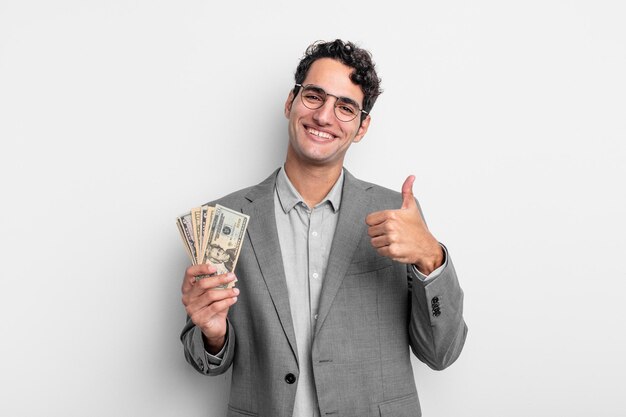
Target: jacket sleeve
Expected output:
[196,354]
[437,330]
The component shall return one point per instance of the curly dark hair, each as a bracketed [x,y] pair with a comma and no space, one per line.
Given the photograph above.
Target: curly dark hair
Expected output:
[349,54]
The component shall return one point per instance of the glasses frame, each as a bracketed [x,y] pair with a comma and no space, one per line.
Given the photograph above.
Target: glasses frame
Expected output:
[302,87]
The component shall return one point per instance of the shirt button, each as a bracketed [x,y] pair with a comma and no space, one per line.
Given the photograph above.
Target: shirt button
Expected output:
[315,317]
[315,275]
[314,233]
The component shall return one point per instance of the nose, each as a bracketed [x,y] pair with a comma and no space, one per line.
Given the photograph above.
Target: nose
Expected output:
[325,115]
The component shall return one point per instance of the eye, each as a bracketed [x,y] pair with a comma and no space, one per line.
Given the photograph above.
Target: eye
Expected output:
[346,109]
[312,96]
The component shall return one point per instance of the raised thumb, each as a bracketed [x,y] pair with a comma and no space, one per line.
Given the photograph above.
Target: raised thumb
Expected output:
[408,201]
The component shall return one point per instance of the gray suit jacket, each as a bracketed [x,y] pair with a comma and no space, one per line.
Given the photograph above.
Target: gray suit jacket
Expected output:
[369,315]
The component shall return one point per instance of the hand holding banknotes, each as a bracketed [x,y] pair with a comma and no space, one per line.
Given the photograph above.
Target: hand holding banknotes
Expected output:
[207,302]
[212,237]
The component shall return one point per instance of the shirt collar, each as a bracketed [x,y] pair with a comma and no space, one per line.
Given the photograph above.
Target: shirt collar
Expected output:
[289,196]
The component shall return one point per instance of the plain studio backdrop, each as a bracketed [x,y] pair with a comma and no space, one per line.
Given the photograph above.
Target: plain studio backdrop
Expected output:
[117,116]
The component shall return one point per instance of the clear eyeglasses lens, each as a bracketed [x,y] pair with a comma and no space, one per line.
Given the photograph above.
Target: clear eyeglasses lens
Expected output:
[314,98]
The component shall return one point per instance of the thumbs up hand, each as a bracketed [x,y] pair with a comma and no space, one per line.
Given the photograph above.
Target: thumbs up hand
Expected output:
[402,234]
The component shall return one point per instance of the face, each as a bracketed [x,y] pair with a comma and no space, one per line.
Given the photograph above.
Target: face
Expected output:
[317,137]
[218,254]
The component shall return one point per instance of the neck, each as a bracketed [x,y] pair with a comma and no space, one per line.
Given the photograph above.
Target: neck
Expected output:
[312,182]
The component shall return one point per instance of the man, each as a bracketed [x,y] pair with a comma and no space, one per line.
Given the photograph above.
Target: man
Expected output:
[337,277]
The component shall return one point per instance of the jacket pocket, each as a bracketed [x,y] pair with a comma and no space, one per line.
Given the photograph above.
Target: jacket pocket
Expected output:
[369,265]
[407,406]
[235,412]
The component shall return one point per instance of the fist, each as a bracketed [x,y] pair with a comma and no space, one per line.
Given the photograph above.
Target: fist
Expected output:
[402,234]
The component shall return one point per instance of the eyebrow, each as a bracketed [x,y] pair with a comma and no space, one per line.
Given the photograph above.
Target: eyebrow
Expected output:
[346,100]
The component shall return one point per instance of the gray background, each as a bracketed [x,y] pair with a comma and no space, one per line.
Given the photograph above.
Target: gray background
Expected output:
[117,116]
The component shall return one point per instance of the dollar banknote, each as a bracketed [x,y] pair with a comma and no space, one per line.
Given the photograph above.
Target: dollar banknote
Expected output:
[208,212]
[188,235]
[213,235]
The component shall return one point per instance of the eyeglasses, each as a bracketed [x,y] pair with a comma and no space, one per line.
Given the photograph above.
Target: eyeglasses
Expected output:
[314,97]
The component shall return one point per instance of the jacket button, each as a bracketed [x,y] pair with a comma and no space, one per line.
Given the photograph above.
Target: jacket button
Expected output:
[290,378]
[435,300]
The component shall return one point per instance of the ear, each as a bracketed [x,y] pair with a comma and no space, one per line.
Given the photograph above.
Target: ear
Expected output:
[288,104]
[362,129]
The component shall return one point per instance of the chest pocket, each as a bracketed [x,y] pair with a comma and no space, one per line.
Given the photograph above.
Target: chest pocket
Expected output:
[369,265]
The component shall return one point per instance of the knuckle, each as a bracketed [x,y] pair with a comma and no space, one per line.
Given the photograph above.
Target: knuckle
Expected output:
[195,318]
[210,326]
[209,283]
[211,309]
[218,294]
[204,283]
[210,297]
[226,280]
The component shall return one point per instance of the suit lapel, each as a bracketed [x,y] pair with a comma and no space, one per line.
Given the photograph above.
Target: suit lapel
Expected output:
[266,246]
[349,230]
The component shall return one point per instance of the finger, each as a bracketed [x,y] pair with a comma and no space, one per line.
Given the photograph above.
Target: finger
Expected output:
[383,250]
[381,229]
[201,269]
[207,313]
[377,217]
[408,200]
[390,251]
[377,230]
[380,241]
[209,283]
[200,303]
[193,271]
[219,306]
[208,298]
[199,288]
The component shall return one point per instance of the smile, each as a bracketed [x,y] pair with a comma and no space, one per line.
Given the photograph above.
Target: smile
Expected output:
[320,134]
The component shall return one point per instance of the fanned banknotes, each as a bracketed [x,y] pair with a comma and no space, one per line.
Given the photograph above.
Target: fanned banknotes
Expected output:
[213,235]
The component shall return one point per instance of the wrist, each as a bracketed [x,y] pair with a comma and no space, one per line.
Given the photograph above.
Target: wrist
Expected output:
[427,264]
[214,344]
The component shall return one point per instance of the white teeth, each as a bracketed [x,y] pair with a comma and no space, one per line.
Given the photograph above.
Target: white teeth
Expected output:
[320,134]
